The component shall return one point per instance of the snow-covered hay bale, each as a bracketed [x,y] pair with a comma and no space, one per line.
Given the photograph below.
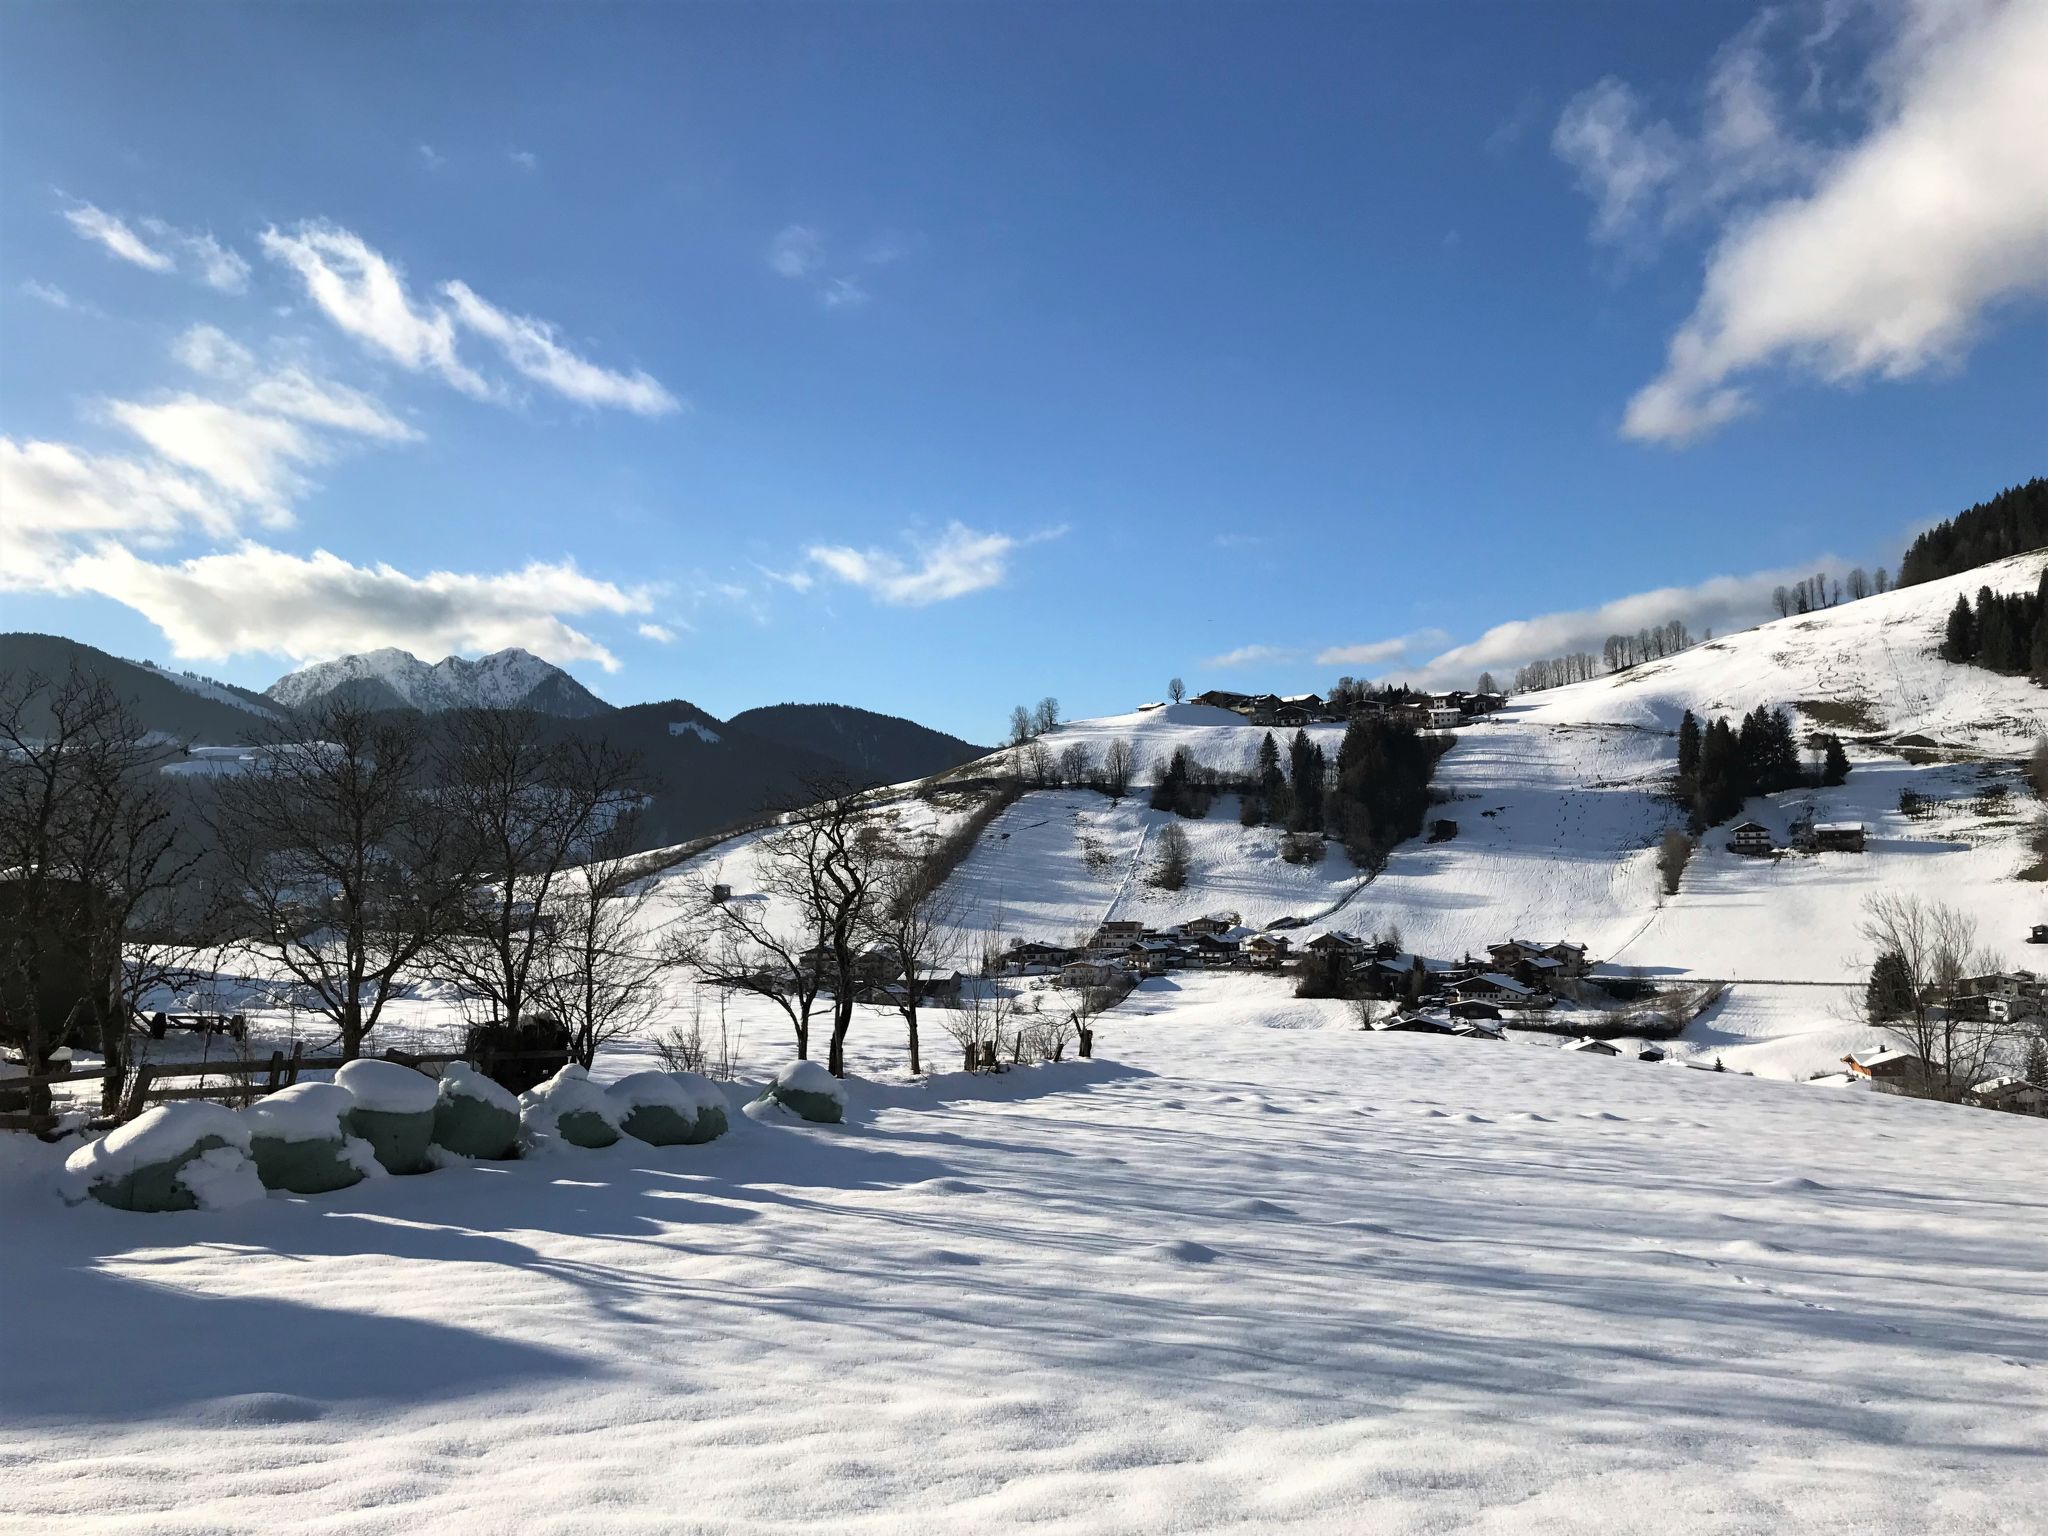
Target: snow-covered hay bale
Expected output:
[393,1112]
[473,1116]
[569,1107]
[300,1143]
[668,1109]
[810,1091]
[184,1156]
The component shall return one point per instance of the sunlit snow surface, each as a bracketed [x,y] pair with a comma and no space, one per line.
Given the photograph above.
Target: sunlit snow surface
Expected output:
[1252,1270]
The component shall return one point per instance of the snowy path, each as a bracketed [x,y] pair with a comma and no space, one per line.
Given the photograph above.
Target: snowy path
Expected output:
[1258,1272]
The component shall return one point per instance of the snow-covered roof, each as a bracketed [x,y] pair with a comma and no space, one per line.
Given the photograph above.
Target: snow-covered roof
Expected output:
[1883,1058]
[1838,826]
[1494,978]
[1587,1043]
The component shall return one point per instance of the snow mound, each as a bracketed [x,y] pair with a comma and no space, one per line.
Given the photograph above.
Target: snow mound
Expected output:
[809,1077]
[459,1080]
[221,1177]
[155,1136]
[386,1088]
[570,1107]
[303,1112]
[685,1092]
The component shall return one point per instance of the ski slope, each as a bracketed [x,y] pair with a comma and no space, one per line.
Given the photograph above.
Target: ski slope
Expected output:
[1252,1271]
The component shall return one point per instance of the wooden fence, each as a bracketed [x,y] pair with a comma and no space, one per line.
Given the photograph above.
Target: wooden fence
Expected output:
[251,1079]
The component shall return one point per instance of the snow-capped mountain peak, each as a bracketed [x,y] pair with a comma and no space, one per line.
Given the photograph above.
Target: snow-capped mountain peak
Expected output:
[507,679]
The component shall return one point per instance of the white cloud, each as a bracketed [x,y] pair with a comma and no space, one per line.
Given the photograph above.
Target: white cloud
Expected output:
[796,251]
[252,457]
[959,561]
[365,295]
[56,494]
[203,256]
[525,159]
[288,391]
[430,157]
[531,347]
[842,292]
[1251,656]
[660,634]
[46,293]
[98,225]
[257,599]
[1377,653]
[1898,242]
[1721,603]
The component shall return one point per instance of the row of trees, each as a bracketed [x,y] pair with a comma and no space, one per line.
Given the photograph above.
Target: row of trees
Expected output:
[2001,632]
[1027,721]
[1820,590]
[1621,652]
[1720,766]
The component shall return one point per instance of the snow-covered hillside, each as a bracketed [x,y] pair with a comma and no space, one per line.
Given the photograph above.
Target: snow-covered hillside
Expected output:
[1873,667]
[502,680]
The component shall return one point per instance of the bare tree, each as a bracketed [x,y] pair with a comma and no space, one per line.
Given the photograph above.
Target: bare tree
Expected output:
[910,919]
[733,945]
[335,864]
[1077,764]
[1046,717]
[92,848]
[1176,690]
[529,810]
[1781,600]
[982,1023]
[1487,683]
[1020,726]
[1930,947]
[1117,765]
[599,978]
[1859,584]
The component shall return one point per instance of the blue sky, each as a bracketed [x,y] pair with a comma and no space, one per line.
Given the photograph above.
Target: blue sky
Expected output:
[932,358]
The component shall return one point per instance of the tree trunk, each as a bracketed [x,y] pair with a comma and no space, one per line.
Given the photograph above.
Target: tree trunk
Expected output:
[114,1051]
[1087,1045]
[910,1018]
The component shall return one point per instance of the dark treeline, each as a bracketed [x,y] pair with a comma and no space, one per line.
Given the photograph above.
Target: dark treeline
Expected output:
[2010,523]
[2001,633]
[1720,765]
[1375,795]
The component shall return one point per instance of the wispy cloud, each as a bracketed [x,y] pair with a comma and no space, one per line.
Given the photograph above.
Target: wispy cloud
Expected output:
[525,159]
[956,562]
[430,157]
[365,294]
[55,297]
[158,246]
[112,233]
[1253,656]
[1876,256]
[798,252]
[534,350]
[660,634]
[1378,653]
[1721,603]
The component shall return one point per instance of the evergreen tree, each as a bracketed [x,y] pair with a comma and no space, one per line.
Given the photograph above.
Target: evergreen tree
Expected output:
[1688,748]
[2036,1069]
[1960,643]
[1890,993]
[1835,763]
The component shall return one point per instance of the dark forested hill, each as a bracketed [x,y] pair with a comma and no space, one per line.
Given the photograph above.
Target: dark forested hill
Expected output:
[882,748]
[2010,523]
[175,703]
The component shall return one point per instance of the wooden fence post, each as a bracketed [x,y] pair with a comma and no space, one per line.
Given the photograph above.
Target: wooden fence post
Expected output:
[276,1072]
[138,1094]
[292,1074]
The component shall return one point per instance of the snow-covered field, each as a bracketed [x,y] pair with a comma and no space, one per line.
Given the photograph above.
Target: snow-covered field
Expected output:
[1251,1270]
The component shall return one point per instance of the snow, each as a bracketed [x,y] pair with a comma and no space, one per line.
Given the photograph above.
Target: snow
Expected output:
[1252,1270]
[810,1077]
[684,1092]
[154,1136]
[567,1092]
[696,728]
[459,1080]
[206,688]
[302,1112]
[223,1177]
[385,1087]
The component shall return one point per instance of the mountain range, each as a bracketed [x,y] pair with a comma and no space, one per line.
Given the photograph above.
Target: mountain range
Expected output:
[710,772]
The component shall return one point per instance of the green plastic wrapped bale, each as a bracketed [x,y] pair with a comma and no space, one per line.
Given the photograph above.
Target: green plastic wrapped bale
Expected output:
[184,1156]
[569,1108]
[810,1092]
[473,1116]
[297,1138]
[393,1112]
[669,1109]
